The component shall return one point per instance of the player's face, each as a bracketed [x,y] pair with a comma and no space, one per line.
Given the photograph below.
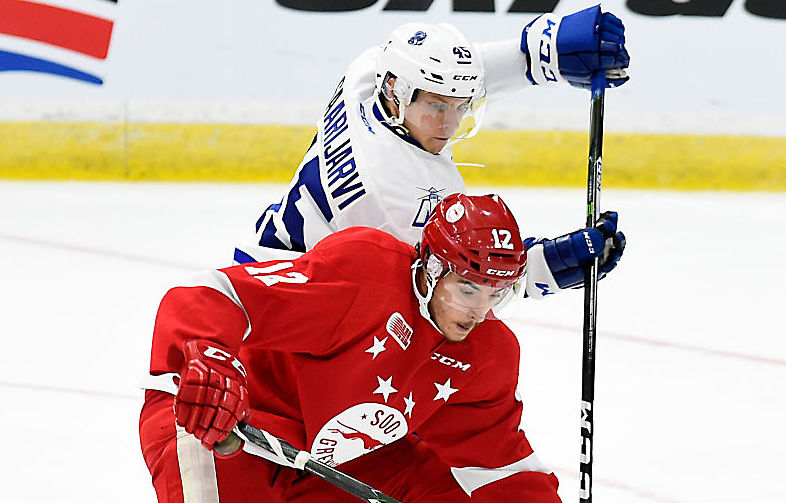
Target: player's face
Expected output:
[432,119]
[458,305]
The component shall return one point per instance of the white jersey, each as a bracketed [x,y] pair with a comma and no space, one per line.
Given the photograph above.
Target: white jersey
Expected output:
[361,171]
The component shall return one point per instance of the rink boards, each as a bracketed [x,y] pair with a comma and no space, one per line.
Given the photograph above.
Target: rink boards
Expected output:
[140,151]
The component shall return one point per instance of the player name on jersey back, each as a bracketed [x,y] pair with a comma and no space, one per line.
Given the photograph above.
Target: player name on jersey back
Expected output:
[342,176]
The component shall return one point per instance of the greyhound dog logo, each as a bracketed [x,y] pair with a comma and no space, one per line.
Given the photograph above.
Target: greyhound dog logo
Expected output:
[369,443]
[373,424]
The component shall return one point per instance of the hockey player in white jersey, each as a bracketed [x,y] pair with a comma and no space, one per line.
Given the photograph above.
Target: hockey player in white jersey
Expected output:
[382,153]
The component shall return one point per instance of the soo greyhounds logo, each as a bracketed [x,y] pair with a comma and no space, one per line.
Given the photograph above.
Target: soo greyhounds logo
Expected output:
[47,25]
[356,431]
[369,443]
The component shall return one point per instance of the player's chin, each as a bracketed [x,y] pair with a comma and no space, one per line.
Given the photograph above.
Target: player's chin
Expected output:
[436,144]
[459,331]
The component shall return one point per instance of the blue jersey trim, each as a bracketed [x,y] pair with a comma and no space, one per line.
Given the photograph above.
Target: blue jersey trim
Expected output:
[242,257]
[308,176]
[268,238]
[272,207]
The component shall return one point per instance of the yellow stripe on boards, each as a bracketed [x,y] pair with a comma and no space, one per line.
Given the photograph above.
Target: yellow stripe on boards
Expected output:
[254,153]
[643,161]
[151,152]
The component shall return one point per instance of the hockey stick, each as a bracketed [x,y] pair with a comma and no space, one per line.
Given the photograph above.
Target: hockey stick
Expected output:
[591,288]
[304,461]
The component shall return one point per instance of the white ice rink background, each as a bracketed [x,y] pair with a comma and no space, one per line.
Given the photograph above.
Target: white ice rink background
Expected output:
[691,358]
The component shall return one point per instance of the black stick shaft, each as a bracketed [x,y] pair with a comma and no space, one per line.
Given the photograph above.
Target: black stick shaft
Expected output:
[591,289]
[336,477]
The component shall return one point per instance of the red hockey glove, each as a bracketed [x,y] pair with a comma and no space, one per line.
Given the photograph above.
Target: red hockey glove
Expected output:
[212,396]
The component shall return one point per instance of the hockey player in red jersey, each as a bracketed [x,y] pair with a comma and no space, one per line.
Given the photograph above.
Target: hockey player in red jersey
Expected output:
[375,356]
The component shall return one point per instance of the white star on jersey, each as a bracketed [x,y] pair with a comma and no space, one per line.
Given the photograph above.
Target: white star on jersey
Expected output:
[377,347]
[444,390]
[410,405]
[385,387]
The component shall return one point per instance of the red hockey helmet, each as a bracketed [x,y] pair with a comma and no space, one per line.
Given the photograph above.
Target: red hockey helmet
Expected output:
[477,238]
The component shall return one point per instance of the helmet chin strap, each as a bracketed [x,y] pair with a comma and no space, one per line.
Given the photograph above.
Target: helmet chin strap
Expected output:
[423,300]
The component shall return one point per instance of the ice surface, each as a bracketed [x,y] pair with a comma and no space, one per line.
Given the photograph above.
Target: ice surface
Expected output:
[691,355]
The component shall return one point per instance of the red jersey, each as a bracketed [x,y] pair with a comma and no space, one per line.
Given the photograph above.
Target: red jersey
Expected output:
[341,362]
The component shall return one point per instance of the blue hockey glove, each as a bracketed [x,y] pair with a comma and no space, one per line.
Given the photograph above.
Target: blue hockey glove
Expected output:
[568,255]
[583,43]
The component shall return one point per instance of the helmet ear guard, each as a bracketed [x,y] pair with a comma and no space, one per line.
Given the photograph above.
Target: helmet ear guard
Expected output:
[434,267]
[400,93]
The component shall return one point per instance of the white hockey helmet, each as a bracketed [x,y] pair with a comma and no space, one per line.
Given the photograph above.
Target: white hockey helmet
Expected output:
[435,58]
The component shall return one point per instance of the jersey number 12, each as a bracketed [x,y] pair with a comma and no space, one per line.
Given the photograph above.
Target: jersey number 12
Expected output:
[264,275]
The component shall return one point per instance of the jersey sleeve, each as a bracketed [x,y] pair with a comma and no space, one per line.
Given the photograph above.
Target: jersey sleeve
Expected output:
[505,68]
[194,312]
[540,281]
[482,442]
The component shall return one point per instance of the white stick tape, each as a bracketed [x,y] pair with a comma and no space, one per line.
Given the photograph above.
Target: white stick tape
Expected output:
[274,443]
[301,459]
